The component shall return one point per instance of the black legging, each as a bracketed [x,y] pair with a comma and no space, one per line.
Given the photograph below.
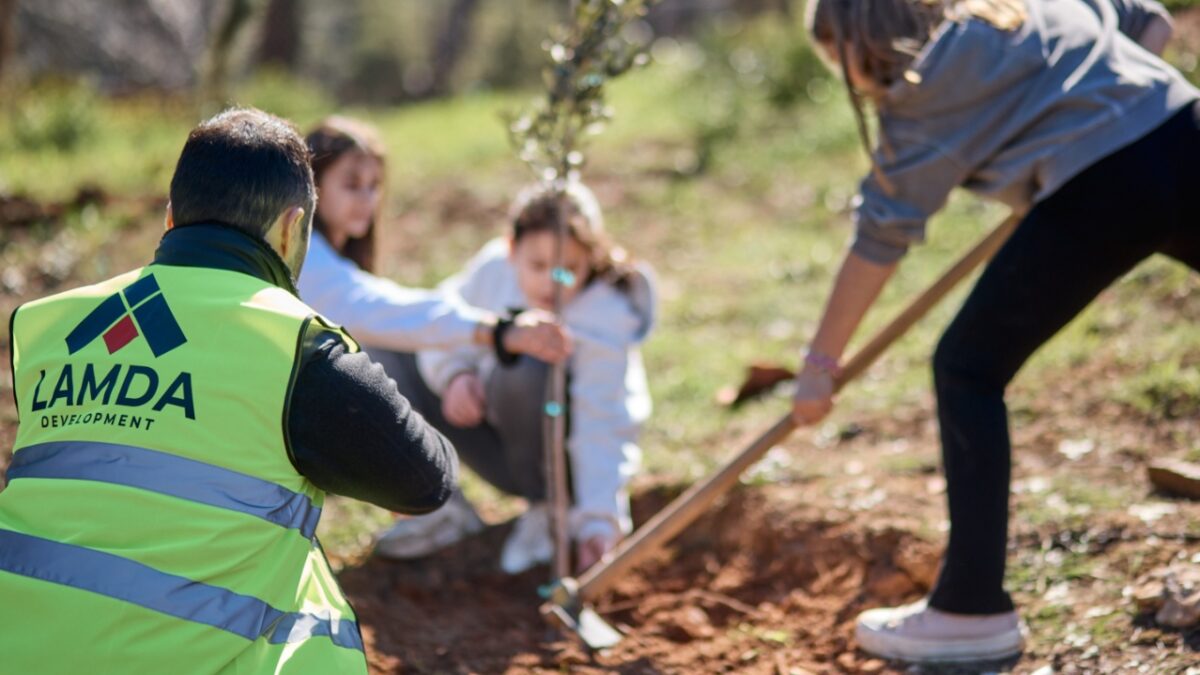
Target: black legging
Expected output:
[1144,199]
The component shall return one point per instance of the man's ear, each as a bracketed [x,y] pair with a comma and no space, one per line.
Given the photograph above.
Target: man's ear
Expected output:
[290,236]
[169,221]
[293,220]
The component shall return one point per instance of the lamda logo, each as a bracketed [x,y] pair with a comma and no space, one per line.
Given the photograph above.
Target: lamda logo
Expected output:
[112,320]
[140,310]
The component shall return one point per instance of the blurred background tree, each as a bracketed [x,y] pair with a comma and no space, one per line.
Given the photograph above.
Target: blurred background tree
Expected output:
[120,45]
[303,59]
[279,45]
[379,51]
[8,12]
[359,51]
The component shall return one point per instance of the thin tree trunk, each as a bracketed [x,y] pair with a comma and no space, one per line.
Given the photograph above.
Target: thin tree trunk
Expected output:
[8,33]
[450,44]
[216,77]
[279,44]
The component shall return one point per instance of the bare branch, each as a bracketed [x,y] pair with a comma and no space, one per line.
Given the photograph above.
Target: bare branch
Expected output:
[597,43]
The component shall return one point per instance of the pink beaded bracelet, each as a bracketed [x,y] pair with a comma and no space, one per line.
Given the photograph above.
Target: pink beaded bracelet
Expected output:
[822,362]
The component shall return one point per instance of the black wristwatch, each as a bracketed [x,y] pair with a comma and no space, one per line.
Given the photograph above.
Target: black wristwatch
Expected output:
[505,357]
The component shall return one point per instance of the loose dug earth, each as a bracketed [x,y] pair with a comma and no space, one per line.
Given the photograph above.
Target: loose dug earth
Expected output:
[749,588]
[772,578]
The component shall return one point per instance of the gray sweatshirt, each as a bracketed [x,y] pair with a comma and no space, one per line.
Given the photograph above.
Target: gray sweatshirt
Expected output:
[610,397]
[1012,115]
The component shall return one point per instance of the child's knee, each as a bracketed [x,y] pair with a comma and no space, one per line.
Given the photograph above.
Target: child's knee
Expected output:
[524,380]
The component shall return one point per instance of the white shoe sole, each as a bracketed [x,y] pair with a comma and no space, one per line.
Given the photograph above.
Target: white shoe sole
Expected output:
[425,535]
[515,562]
[528,544]
[992,648]
[411,548]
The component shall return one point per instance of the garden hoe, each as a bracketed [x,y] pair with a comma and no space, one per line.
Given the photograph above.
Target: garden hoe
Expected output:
[569,598]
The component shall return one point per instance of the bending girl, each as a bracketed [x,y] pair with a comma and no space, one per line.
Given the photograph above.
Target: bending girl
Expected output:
[1047,106]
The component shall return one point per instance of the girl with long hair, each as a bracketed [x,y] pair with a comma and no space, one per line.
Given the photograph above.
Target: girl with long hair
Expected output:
[1060,109]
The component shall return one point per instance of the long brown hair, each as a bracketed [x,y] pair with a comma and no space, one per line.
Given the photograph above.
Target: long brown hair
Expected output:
[881,38]
[333,138]
[540,208]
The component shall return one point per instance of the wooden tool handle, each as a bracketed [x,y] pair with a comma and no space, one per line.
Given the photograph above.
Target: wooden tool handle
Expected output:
[678,514]
[686,508]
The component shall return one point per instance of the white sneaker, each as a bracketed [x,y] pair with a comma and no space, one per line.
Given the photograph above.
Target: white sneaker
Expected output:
[920,633]
[530,542]
[419,536]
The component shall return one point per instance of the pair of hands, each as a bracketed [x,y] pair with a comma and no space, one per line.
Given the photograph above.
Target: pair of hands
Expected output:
[589,551]
[464,402]
[535,333]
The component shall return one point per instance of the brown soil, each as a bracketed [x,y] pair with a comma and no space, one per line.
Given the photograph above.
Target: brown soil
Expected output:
[771,579]
[752,585]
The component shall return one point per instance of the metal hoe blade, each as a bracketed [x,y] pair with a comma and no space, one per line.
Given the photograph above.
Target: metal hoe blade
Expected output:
[586,624]
[566,611]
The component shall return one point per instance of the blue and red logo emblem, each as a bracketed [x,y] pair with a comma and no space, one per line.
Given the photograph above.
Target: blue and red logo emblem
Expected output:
[118,319]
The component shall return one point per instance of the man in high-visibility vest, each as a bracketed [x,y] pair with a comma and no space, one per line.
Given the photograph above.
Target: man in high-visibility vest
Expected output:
[180,425]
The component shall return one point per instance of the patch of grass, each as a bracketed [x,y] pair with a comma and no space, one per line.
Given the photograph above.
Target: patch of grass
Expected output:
[126,146]
[770,636]
[1032,571]
[1164,389]
[909,464]
[280,93]
[1110,629]
[59,119]
[1070,502]
[348,526]
[1049,624]
[1096,497]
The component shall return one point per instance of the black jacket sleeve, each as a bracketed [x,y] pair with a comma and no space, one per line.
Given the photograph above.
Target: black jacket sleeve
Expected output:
[351,432]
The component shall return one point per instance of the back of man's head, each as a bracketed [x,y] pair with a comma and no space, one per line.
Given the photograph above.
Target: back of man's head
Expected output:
[243,167]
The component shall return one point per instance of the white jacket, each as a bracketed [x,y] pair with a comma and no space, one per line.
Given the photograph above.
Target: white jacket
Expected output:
[609,396]
[379,312]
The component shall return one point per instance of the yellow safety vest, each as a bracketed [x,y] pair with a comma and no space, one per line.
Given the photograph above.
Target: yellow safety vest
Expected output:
[153,522]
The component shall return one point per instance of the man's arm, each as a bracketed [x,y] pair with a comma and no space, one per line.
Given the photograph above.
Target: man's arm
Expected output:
[1157,34]
[1146,22]
[381,313]
[351,433]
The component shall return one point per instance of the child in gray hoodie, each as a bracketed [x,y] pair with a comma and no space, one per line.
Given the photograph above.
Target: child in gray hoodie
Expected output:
[1062,110]
[490,404]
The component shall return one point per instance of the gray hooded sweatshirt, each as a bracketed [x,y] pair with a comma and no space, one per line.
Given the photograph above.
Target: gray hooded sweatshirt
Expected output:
[610,397]
[1012,115]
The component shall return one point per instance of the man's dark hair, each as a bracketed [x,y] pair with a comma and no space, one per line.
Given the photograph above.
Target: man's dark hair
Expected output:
[242,167]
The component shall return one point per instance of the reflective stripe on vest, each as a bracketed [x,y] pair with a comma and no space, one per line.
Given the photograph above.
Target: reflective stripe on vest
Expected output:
[123,579]
[169,475]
